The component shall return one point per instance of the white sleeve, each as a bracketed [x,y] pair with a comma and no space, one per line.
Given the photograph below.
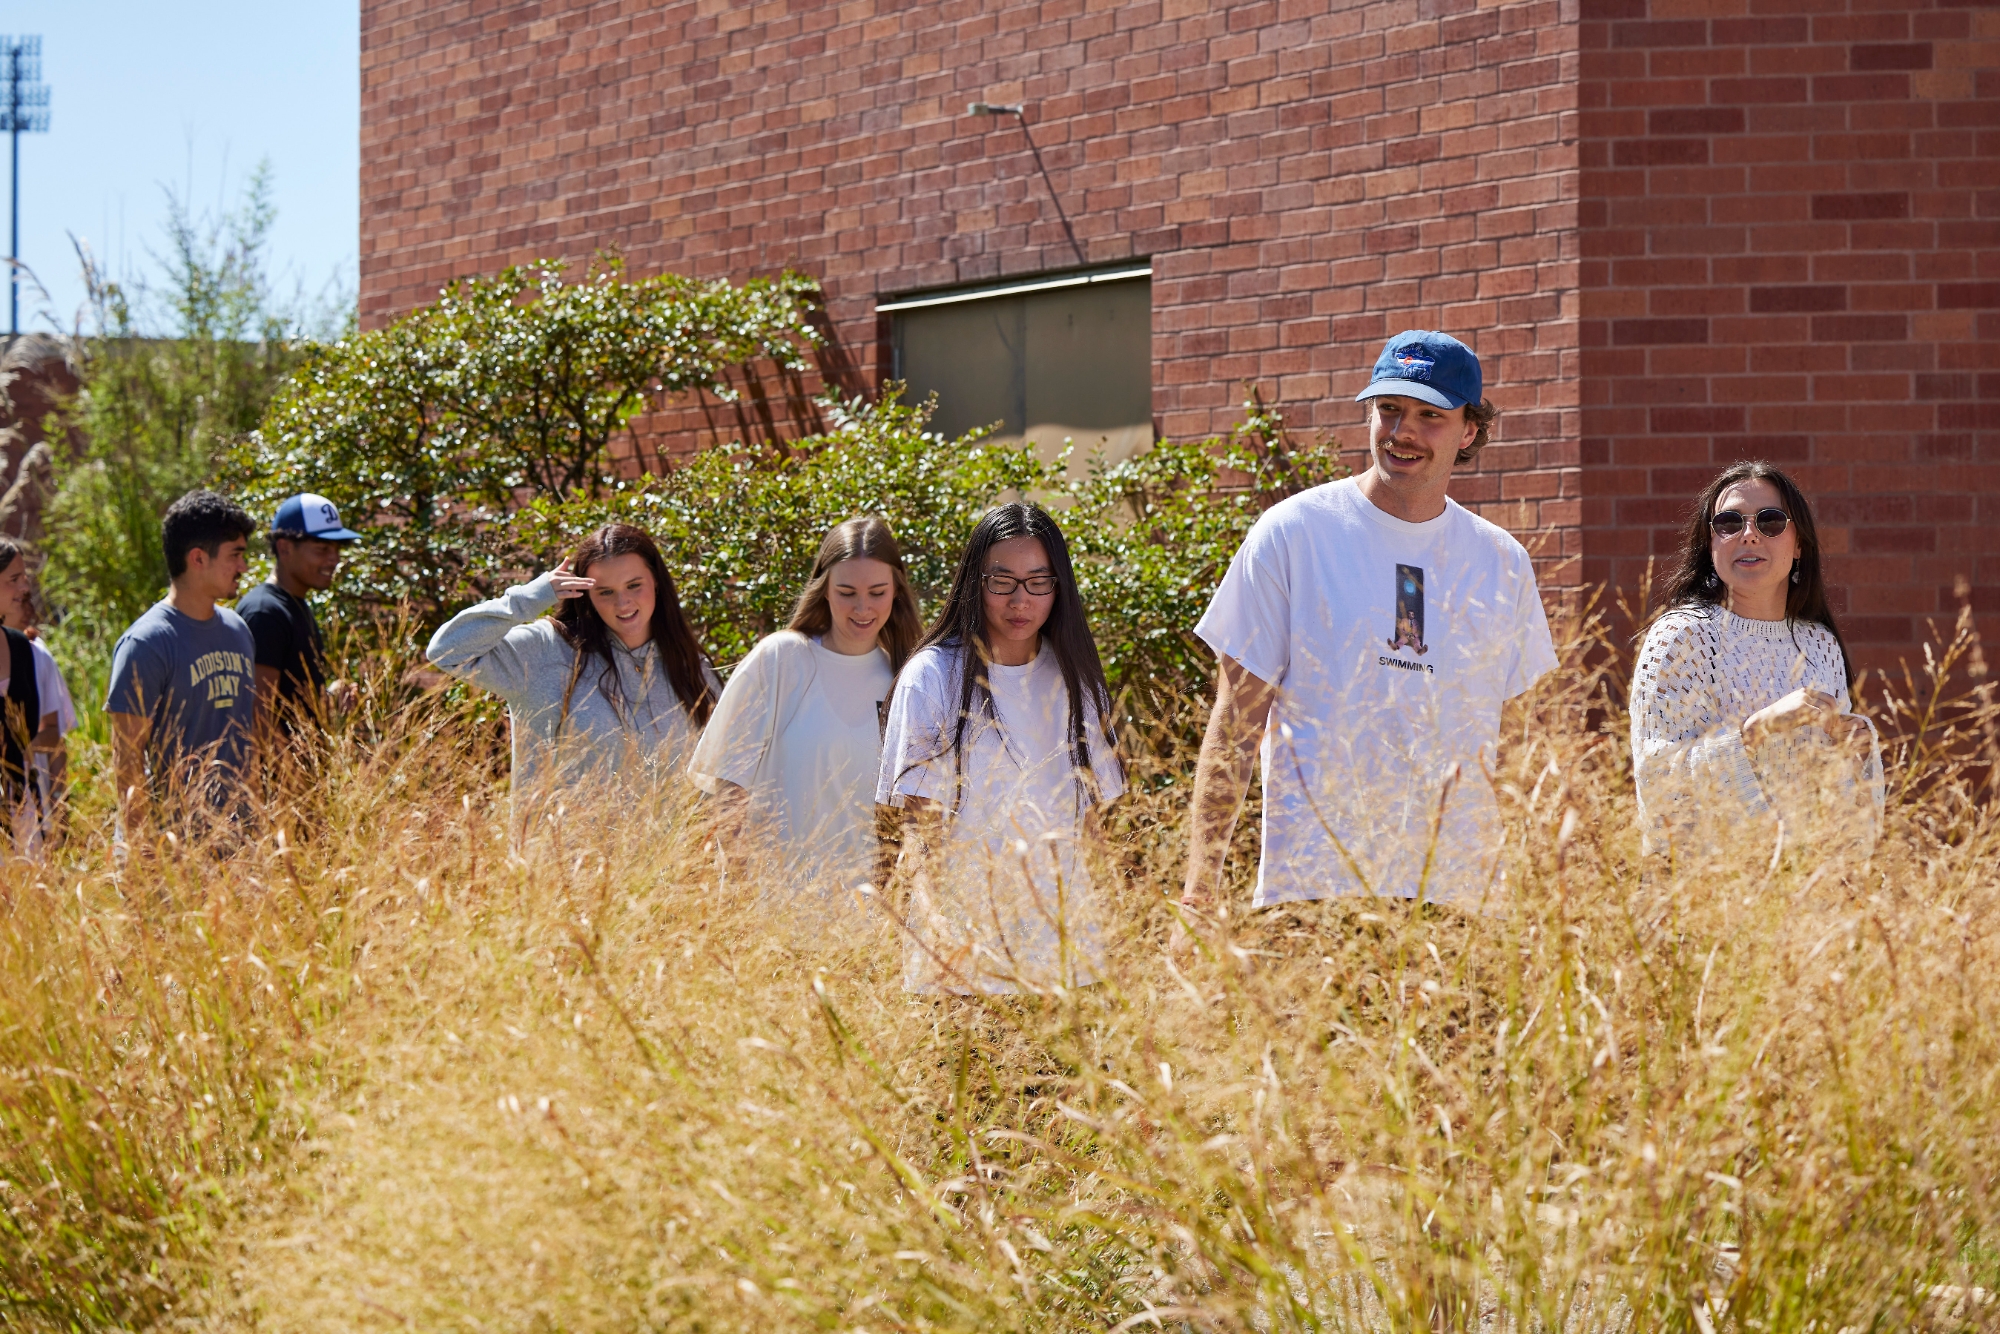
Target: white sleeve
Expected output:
[52,689]
[1537,649]
[1250,616]
[732,746]
[1684,759]
[916,759]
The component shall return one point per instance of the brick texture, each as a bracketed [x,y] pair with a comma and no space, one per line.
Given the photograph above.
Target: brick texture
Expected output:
[1306,178]
[1679,232]
[1790,230]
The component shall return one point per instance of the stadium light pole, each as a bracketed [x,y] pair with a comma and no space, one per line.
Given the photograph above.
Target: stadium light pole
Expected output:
[24,109]
[1020,114]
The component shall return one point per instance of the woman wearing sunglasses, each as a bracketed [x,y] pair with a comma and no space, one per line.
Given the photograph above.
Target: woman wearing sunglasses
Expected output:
[1741,718]
[996,761]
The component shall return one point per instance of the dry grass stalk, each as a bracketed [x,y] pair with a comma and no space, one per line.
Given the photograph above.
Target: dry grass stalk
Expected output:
[387,1074]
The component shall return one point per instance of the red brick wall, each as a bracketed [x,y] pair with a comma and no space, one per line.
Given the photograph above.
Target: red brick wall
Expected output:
[1307,178]
[1791,250]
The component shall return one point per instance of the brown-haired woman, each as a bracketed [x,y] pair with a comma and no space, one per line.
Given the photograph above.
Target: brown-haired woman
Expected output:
[1740,708]
[612,686]
[792,750]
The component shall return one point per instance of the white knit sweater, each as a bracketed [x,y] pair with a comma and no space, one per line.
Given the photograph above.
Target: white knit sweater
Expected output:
[1701,672]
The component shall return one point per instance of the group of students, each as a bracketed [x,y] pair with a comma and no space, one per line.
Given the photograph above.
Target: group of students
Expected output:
[1368,634]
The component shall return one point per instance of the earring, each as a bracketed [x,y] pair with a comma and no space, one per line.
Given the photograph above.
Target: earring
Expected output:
[1795,571]
[1714,580]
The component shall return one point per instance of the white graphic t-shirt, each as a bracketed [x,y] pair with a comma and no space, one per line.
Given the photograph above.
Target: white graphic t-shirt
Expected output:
[1010,900]
[1393,646]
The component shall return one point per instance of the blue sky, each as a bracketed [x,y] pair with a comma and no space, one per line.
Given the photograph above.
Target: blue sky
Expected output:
[187,95]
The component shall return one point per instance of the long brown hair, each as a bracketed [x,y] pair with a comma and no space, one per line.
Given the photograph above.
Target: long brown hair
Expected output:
[680,656]
[865,538]
[1695,583]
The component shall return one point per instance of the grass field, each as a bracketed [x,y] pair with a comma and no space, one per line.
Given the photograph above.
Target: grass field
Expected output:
[385,1073]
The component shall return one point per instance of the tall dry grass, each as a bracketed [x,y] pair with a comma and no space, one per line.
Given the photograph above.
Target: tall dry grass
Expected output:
[388,1074]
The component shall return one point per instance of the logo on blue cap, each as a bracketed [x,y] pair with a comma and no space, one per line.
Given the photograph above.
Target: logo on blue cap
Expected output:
[1414,363]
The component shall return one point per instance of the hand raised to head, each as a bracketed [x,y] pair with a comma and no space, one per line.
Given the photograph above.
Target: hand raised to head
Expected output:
[568,585]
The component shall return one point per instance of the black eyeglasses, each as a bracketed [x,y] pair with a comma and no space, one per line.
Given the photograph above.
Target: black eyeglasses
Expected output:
[1003,585]
[1729,523]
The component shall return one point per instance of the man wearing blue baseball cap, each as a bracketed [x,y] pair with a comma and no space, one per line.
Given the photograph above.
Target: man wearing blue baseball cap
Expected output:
[1367,633]
[307,541]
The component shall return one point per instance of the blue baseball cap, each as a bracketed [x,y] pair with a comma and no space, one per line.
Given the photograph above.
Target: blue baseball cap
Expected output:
[1432,367]
[313,516]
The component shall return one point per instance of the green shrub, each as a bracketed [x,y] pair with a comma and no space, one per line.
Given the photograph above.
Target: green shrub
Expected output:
[741,529]
[509,389]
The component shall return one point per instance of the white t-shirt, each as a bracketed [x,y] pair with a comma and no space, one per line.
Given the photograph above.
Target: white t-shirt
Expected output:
[1009,900]
[32,818]
[800,727]
[1393,645]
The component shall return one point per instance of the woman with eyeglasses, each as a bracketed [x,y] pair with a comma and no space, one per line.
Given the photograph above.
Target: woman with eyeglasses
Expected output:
[997,760]
[1741,718]
[791,753]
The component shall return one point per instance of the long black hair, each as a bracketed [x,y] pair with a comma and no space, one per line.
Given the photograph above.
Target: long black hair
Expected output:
[865,538]
[680,656]
[961,625]
[1694,582]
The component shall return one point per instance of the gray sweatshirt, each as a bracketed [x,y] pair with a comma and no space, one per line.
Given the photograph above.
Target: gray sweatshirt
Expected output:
[509,647]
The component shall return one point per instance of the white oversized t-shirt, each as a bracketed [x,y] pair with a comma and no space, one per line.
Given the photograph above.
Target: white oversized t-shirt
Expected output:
[800,727]
[1010,897]
[1393,646]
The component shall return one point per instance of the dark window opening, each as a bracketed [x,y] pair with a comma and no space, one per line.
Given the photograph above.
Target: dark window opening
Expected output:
[1043,360]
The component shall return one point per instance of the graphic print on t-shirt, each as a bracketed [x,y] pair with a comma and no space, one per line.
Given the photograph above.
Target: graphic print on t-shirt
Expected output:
[1410,610]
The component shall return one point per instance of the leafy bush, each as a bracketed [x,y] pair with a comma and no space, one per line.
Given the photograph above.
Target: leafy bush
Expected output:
[506,390]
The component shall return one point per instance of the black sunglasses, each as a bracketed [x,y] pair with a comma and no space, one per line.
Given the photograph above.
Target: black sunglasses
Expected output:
[1729,523]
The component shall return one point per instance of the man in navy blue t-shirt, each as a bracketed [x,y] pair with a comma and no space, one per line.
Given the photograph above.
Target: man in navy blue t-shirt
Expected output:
[183,697]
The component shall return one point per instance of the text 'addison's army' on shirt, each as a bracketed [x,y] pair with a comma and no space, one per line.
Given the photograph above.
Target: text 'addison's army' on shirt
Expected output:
[194,680]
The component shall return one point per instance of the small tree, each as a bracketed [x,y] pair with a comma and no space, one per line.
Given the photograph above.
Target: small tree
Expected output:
[505,391]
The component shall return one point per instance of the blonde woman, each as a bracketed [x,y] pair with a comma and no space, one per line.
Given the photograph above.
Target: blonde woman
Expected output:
[792,750]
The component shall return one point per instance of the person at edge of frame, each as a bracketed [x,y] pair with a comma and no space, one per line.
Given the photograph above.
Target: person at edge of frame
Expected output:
[307,542]
[34,769]
[1367,634]
[183,696]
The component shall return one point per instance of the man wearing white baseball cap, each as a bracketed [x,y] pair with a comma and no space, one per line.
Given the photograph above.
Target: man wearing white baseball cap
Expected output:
[307,540]
[1366,635]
